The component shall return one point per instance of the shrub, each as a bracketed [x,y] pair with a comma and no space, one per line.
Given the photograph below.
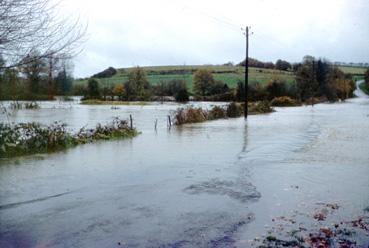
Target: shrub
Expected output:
[256,92]
[182,95]
[234,110]
[261,107]
[190,115]
[276,88]
[31,105]
[29,138]
[119,91]
[217,113]
[284,101]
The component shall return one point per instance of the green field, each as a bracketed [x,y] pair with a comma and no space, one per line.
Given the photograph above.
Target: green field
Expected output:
[228,74]
[353,70]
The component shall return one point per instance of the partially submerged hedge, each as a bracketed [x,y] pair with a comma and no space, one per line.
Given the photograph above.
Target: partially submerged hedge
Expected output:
[30,138]
[232,110]
[285,101]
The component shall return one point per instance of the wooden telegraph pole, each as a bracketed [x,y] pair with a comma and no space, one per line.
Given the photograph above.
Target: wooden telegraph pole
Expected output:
[246,71]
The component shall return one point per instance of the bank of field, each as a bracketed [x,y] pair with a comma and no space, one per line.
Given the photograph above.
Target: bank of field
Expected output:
[227,74]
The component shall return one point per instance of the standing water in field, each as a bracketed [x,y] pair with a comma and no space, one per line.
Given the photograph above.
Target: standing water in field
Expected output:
[215,184]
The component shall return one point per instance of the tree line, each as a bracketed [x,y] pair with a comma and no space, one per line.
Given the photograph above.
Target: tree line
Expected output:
[38,78]
[316,80]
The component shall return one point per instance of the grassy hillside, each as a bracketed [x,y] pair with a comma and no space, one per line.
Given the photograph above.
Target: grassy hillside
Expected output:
[227,74]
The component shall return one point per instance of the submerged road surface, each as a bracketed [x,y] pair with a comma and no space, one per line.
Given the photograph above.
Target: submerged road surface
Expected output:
[214,184]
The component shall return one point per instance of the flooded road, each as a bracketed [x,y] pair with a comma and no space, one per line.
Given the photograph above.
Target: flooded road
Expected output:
[213,184]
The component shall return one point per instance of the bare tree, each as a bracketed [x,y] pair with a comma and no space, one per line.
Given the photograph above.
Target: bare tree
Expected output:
[27,26]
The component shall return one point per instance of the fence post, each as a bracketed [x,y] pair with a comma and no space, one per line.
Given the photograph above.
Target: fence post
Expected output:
[131,121]
[169,121]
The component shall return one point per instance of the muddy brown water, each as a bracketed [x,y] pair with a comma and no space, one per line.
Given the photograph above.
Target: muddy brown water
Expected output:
[213,184]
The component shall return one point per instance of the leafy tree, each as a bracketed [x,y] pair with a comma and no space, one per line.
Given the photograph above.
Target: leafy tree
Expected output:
[106,91]
[276,88]
[203,81]
[137,86]
[119,91]
[282,65]
[182,95]
[218,88]
[341,85]
[63,82]
[306,78]
[93,89]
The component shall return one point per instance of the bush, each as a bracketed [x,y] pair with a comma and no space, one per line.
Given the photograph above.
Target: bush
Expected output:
[29,138]
[234,110]
[284,101]
[217,113]
[190,115]
[182,95]
[256,92]
[276,88]
[261,107]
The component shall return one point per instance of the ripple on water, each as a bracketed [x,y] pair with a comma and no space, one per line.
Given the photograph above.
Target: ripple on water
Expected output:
[239,190]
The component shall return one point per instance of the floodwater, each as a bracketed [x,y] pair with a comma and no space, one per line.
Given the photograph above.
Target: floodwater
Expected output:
[213,184]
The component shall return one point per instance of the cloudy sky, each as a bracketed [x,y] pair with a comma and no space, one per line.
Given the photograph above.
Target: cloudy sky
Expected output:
[177,32]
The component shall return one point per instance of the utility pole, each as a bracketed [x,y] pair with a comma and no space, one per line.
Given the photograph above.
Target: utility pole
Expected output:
[313,84]
[246,70]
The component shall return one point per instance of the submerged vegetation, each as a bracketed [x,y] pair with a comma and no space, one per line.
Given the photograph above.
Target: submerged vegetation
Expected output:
[30,138]
[27,105]
[232,110]
[285,101]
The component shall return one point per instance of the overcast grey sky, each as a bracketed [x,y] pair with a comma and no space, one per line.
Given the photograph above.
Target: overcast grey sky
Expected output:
[167,32]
